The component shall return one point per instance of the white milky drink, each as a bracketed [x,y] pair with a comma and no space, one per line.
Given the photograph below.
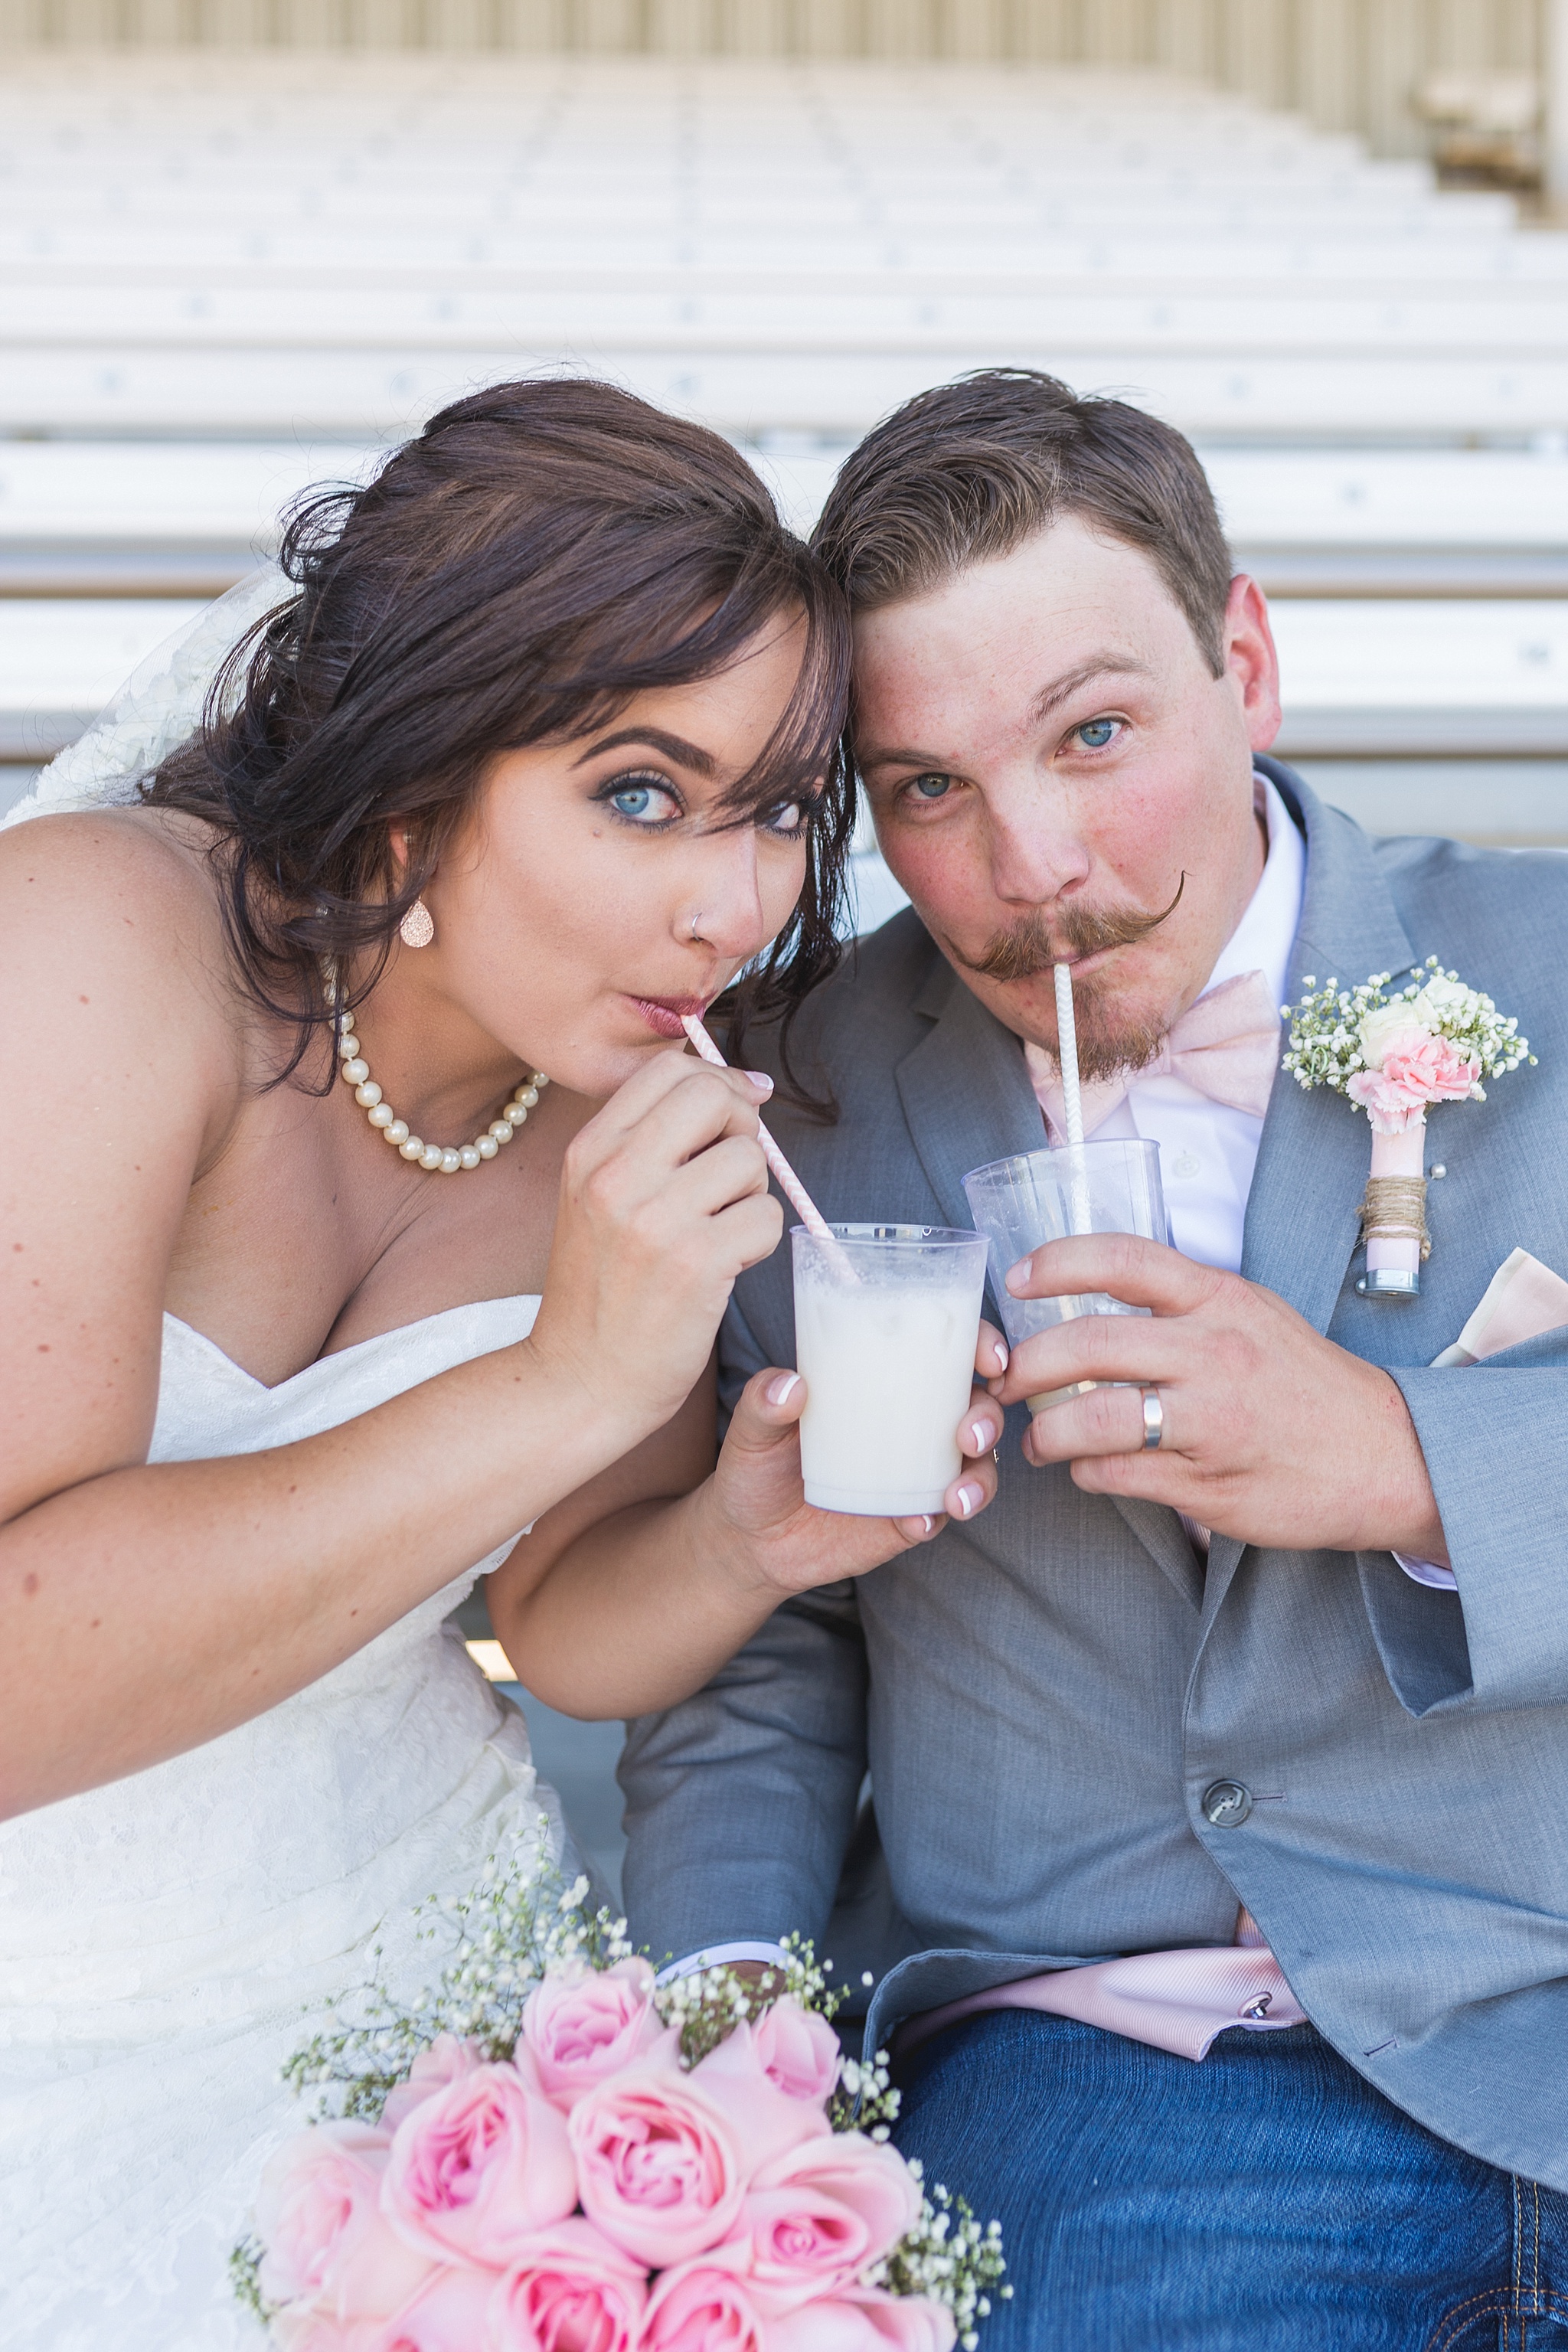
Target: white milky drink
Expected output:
[888,1363]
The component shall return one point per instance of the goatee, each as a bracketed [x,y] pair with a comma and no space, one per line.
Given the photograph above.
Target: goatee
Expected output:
[1108,1039]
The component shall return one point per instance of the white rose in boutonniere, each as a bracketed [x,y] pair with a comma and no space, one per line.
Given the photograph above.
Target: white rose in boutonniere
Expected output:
[1395,1056]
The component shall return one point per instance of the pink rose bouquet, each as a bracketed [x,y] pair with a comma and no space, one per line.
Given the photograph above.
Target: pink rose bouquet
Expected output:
[551,2152]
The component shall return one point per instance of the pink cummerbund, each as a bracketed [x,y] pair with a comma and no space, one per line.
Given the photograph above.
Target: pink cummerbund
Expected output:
[1173,2000]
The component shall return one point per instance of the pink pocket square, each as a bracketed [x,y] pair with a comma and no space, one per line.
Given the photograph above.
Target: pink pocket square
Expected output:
[1523,1299]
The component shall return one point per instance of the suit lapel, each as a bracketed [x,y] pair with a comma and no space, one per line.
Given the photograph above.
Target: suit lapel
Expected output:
[965,1092]
[967,1099]
[1301,1225]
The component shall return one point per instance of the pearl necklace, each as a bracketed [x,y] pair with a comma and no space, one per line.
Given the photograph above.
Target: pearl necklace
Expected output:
[449,1158]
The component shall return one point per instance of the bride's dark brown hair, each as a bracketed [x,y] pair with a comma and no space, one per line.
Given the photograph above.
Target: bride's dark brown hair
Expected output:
[542,552]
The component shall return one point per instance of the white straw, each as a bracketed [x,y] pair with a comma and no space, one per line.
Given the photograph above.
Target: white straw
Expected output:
[1067,1056]
[1072,1098]
[811,1216]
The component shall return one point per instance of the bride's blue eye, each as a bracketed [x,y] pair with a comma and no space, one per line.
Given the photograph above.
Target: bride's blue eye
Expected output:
[1096,733]
[931,788]
[789,818]
[642,800]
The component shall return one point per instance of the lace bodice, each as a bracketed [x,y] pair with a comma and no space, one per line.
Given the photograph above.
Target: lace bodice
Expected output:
[161,1938]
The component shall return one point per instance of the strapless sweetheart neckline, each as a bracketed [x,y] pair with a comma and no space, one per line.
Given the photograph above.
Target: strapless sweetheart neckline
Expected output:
[375,1340]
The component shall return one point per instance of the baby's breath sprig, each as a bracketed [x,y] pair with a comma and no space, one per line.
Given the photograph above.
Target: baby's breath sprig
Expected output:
[865,2100]
[1326,1039]
[244,2271]
[709,2003]
[949,2257]
[502,1936]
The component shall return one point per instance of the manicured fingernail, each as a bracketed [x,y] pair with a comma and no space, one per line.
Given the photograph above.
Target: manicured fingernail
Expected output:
[1003,1358]
[980,1434]
[761,1078]
[928,1523]
[969,1499]
[779,1390]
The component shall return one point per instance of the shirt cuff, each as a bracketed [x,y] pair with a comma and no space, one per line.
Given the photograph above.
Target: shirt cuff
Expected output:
[718,1956]
[1427,1571]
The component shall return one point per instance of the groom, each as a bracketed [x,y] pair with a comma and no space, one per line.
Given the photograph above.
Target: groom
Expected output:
[1257,1670]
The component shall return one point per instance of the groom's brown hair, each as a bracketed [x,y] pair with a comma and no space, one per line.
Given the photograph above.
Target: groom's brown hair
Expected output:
[966,472]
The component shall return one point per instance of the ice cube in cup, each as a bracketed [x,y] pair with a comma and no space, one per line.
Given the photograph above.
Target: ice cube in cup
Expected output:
[1110,1187]
[889,1363]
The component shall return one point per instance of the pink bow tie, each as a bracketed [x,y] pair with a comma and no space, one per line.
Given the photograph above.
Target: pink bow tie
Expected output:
[1225,1046]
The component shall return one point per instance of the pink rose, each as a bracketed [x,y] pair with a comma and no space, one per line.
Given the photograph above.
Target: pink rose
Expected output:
[1416,1069]
[317,2331]
[766,2120]
[329,2247]
[866,2320]
[444,2061]
[797,2051]
[573,2291]
[702,2306]
[580,2026]
[446,2316]
[816,2216]
[477,2167]
[660,2168]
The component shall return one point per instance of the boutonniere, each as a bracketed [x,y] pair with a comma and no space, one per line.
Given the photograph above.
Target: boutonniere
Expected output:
[1394,1055]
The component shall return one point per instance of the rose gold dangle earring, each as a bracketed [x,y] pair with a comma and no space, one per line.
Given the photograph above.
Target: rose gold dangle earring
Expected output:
[417,928]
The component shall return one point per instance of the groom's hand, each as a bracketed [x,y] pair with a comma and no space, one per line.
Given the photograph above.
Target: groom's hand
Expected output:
[761,1503]
[1270,1433]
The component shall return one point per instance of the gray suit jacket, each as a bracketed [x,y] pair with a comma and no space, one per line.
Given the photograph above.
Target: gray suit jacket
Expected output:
[1041,1698]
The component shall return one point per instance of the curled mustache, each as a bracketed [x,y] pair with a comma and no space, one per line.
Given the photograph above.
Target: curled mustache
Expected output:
[1033,946]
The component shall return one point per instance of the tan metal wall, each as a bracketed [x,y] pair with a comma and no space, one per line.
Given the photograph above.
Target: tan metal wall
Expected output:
[1348,65]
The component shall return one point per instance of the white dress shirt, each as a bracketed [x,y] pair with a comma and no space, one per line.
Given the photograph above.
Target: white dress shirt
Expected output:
[1208,1151]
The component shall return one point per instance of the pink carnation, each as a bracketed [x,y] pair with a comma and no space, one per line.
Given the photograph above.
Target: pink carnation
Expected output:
[866,2320]
[579,2027]
[1415,1070]
[477,2167]
[815,2218]
[329,2247]
[573,2291]
[445,2061]
[447,2315]
[702,2307]
[797,2051]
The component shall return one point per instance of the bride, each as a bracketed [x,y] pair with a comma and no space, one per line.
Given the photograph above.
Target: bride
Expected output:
[535,751]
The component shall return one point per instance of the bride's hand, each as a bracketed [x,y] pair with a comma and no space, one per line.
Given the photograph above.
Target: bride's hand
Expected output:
[664,1201]
[786,1541]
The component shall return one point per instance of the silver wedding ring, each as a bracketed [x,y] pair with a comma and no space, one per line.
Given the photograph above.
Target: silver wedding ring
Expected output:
[1153,1420]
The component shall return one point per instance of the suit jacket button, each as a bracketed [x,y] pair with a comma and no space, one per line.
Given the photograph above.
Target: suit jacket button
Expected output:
[1226,1804]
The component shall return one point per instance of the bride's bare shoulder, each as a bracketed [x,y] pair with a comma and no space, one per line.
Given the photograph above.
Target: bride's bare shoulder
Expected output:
[119,907]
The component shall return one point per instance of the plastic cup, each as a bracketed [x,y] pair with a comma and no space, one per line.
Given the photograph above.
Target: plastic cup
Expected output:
[889,1363]
[1048,1195]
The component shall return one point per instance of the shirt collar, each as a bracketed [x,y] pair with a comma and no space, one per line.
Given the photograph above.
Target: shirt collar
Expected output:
[1263,939]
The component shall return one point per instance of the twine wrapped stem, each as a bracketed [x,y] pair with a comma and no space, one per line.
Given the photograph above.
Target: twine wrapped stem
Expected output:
[1394,1208]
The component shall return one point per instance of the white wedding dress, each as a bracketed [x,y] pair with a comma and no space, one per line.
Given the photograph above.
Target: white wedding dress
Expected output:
[161,1938]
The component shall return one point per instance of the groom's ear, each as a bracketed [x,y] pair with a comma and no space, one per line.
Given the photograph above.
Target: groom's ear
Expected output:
[1250,659]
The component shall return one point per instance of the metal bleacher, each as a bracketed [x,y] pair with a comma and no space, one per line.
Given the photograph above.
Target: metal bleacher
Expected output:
[225,275]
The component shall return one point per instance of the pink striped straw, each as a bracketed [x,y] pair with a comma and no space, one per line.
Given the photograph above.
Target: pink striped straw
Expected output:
[811,1216]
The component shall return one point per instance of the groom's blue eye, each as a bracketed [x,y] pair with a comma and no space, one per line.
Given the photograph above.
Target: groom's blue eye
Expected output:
[931,788]
[1094,733]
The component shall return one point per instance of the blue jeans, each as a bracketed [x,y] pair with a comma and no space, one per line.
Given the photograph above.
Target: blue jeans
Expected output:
[1267,2199]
